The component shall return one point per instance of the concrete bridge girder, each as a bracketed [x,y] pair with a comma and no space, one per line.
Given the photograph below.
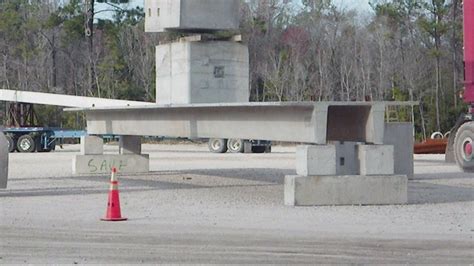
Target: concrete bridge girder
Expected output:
[315,123]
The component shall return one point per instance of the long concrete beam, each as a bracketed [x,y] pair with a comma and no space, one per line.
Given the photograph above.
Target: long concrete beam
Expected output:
[307,122]
[64,100]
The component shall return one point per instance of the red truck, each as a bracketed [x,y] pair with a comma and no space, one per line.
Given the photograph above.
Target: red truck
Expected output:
[462,139]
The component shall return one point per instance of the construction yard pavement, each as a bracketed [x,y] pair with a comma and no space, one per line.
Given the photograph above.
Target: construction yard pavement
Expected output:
[198,207]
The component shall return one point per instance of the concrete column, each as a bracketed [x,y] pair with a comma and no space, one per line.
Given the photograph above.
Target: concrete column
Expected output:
[400,135]
[3,161]
[130,145]
[92,145]
[376,159]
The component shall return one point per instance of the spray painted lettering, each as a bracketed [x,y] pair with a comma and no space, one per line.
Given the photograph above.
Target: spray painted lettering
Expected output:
[104,165]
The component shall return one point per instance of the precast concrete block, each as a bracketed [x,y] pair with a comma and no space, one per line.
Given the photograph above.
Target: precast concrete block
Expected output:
[400,135]
[3,161]
[191,15]
[130,145]
[92,145]
[103,164]
[345,190]
[376,159]
[347,162]
[202,72]
[316,160]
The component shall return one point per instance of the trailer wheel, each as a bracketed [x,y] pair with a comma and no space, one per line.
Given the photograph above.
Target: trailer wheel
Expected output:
[235,145]
[463,147]
[11,143]
[26,143]
[218,145]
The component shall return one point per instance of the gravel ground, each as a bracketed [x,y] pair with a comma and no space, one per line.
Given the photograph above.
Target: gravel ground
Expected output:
[198,207]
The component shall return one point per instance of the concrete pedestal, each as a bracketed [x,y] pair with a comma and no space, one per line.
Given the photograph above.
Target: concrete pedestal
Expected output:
[130,145]
[3,161]
[92,145]
[316,160]
[103,164]
[376,159]
[345,190]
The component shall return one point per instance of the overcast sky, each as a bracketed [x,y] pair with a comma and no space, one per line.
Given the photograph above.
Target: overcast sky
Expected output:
[357,4]
[360,5]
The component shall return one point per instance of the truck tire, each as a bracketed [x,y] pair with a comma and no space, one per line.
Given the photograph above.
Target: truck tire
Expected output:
[217,145]
[11,143]
[26,143]
[463,147]
[235,145]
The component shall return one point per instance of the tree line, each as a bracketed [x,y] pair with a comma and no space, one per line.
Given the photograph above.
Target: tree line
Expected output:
[309,50]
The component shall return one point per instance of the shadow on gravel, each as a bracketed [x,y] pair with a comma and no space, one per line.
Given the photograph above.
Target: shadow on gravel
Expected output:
[437,162]
[276,176]
[426,193]
[439,176]
[149,182]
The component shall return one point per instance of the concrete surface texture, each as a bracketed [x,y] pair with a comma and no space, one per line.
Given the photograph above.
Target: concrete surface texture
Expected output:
[202,72]
[191,15]
[336,158]
[400,135]
[267,121]
[345,190]
[3,161]
[130,145]
[198,207]
[103,164]
[63,100]
[92,145]
[347,162]
[375,159]
[316,160]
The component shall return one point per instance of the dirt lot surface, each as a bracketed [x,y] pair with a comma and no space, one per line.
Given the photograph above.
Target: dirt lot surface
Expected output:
[198,207]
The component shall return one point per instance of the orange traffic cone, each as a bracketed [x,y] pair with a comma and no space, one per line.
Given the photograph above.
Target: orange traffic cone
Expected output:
[113,206]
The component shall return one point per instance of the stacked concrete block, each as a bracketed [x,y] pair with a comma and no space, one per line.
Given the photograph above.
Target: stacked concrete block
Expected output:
[336,158]
[92,145]
[92,159]
[376,159]
[316,160]
[130,145]
[345,173]
[202,72]
[191,15]
[346,158]
[3,161]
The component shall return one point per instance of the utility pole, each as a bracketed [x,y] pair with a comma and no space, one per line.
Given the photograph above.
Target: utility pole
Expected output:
[89,32]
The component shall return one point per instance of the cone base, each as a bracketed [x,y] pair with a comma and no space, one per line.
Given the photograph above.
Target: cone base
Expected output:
[113,219]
